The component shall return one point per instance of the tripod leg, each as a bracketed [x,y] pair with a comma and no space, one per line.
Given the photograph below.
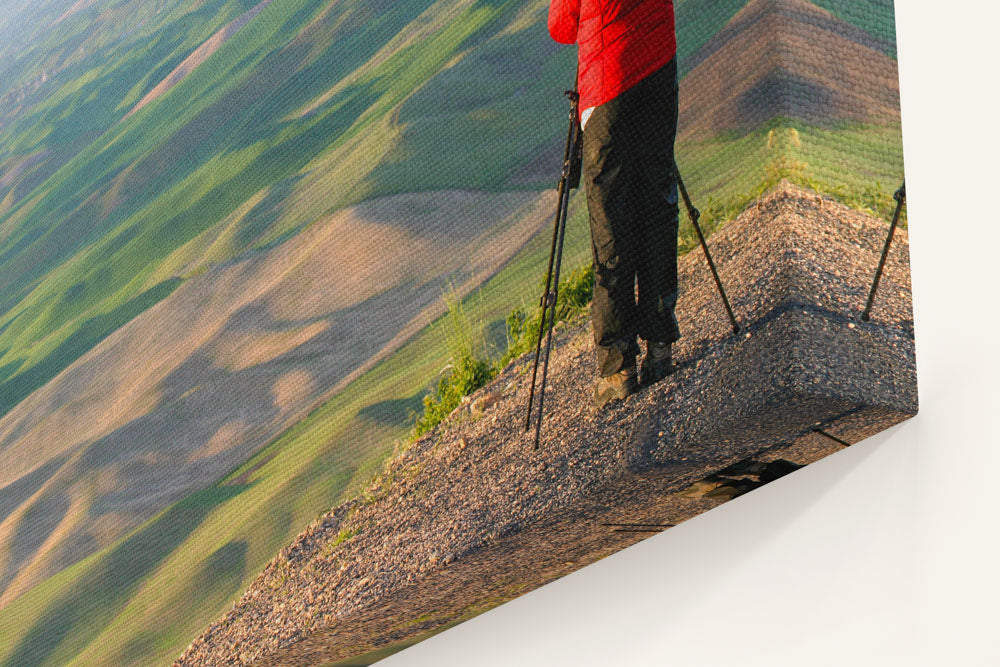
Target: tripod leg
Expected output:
[695,215]
[900,197]
[561,233]
[546,298]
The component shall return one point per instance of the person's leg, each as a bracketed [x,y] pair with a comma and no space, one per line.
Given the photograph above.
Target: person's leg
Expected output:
[607,179]
[656,200]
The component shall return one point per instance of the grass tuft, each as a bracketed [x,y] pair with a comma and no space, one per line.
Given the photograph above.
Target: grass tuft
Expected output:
[468,370]
[471,367]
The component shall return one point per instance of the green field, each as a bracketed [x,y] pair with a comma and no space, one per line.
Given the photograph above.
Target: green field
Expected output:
[312,107]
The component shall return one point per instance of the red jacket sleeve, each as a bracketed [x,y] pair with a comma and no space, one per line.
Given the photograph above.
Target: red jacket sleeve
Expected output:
[564,17]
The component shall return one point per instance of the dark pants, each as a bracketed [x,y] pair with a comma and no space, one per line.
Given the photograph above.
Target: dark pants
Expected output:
[628,154]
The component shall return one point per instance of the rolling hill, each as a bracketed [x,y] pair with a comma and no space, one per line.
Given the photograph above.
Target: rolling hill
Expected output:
[291,118]
[225,225]
[792,89]
[243,165]
[230,359]
[787,59]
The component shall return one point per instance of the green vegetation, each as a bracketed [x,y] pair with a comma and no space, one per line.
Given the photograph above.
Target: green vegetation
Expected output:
[344,535]
[287,114]
[469,369]
[575,292]
[859,165]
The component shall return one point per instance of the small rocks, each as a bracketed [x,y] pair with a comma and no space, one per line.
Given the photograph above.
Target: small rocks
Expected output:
[485,402]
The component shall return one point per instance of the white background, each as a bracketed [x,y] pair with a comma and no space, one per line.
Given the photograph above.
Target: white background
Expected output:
[884,554]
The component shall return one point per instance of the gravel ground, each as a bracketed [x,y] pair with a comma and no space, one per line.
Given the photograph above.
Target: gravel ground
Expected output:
[470,516]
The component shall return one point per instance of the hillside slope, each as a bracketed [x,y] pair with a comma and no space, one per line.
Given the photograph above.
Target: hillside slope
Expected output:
[789,59]
[299,113]
[792,89]
[187,230]
[470,516]
[229,360]
[141,599]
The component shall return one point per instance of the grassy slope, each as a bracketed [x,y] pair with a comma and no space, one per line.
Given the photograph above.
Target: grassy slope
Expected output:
[858,164]
[53,291]
[878,17]
[154,237]
[142,599]
[90,248]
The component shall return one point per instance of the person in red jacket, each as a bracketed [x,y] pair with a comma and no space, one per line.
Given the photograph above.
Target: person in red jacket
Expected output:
[627,83]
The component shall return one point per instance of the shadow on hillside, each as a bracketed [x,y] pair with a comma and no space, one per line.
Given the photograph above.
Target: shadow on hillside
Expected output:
[207,411]
[8,369]
[73,618]
[36,524]
[262,217]
[12,495]
[495,82]
[394,412]
[92,332]
[219,577]
[198,399]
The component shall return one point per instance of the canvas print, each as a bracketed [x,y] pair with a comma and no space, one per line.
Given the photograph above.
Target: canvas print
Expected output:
[328,325]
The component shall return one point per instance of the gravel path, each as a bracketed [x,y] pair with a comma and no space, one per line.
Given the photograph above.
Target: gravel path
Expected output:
[469,516]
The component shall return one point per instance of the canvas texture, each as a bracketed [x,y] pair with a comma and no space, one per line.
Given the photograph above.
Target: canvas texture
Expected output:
[311,312]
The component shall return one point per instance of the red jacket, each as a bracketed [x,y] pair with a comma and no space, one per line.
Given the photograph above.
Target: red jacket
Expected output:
[621,42]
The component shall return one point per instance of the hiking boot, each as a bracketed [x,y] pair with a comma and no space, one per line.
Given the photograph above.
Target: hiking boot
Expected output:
[657,364]
[615,387]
